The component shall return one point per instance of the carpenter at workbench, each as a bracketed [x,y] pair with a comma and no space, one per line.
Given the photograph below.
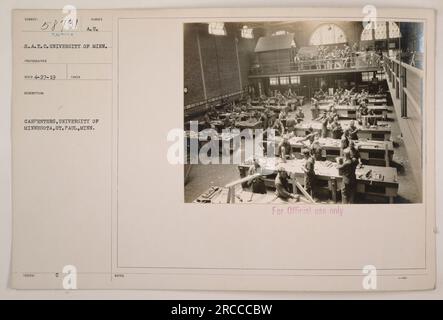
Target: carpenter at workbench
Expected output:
[377,153]
[283,189]
[257,184]
[371,180]
[346,168]
[379,132]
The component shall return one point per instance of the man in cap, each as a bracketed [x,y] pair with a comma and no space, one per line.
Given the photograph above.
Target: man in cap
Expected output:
[314,108]
[299,115]
[264,120]
[324,119]
[336,129]
[353,130]
[344,141]
[291,124]
[309,171]
[355,153]
[316,148]
[284,149]
[257,184]
[282,185]
[349,183]
[278,127]
[310,136]
[363,109]
[333,112]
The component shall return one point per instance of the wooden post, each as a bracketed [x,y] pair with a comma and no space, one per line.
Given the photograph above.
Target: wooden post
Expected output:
[232,192]
[333,187]
[231,186]
[188,168]
[229,196]
[294,185]
[386,154]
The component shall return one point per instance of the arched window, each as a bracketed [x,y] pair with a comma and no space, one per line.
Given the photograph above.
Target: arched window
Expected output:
[217,28]
[366,33]
[381,31]
[394,30]
[327,34]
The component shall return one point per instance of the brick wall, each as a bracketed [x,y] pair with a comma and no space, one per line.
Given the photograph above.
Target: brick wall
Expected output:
[211,71]
[219,57]
[245,54]
[219,61]
[192,75]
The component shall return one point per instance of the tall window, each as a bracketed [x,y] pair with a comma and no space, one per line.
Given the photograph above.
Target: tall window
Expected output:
[394,30]
[273,81]
[247,33]
[295,79]
[284,80]
[380,32]
[366,76]
[366,33]
[217,28]
[380,75]
[327,34]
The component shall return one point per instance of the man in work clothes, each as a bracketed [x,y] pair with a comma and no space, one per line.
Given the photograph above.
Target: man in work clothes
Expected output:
[347,171]
[309,171]
[282,185]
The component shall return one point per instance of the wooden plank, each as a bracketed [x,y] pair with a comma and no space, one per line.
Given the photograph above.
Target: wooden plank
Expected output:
[305,193]
[242,180]
[325,170]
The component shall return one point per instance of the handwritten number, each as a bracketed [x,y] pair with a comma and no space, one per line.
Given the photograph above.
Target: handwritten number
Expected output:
[70,21]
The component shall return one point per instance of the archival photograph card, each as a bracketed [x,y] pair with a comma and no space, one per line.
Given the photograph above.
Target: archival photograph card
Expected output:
[267,149]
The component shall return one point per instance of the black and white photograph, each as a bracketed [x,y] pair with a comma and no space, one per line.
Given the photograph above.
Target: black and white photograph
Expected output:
[309,112]
[228,152]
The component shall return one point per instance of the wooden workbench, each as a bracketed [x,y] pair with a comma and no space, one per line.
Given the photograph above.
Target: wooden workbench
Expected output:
[350,112]
[378,101]
[225,140]
[217,124]
[324,102]
[379,133]
[278,108]
[377,96]
[248,124]
[295,101]
[381,182]
[377,153]
[257,108]
[239,116]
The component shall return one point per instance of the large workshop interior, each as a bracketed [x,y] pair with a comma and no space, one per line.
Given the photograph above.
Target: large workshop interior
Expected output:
[343,99]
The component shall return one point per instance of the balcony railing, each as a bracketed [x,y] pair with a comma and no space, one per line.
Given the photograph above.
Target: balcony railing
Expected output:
[329,64]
